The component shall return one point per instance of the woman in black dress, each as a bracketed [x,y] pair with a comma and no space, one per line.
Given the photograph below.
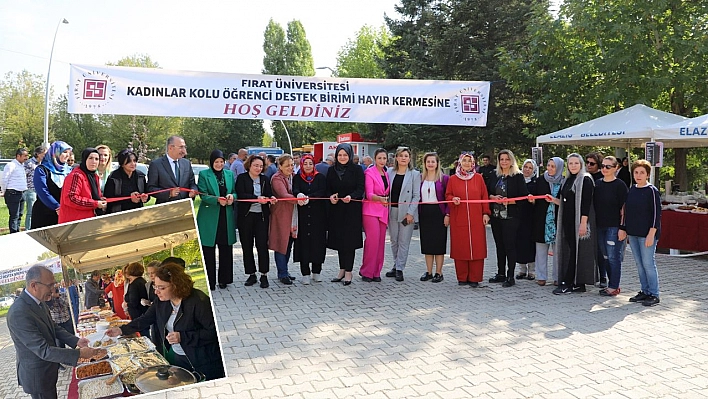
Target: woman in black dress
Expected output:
[126,181]
[312,219]
[526,252]
[507,182]
[345,182]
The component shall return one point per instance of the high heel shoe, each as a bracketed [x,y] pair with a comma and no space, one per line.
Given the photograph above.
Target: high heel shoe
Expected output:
[345,282]
[338,279]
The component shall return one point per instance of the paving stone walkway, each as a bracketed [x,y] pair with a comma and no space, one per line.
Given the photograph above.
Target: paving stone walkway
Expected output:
[417,339]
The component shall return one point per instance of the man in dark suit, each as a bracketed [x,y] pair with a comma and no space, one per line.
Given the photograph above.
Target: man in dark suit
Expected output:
[172,171]
[34,334]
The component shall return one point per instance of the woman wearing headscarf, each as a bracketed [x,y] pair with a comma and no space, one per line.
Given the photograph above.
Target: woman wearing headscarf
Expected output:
[403,212]
[623,173]
[468,236]
[345,182]
[507,182]
[526,252]
[375,217]
[544,217]
[215,220]
[81,193]
[310,246]
[126,181]
[116,291]
[105,158]
[434,217]
[283,228]
[48,180]
[575,240]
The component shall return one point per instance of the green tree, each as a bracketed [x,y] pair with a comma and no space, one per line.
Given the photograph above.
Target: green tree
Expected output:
[274,49]
[460,40]
[360,57]
[203,135]
[21,112]
[289,55]
[146,135]
[600,57]
[78,130]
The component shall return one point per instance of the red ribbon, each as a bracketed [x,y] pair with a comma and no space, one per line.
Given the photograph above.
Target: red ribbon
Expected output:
[270,200]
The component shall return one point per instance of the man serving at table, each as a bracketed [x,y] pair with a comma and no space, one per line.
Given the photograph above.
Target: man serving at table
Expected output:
[34,334]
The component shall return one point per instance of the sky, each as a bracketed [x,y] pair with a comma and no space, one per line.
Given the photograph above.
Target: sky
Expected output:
[19,249]
[205,35]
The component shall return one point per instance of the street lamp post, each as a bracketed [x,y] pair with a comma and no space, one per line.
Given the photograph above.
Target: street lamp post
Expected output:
[332,71]
[46,90]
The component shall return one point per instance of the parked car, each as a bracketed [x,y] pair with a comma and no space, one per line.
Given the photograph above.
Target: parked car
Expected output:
[196,168]
[6,301]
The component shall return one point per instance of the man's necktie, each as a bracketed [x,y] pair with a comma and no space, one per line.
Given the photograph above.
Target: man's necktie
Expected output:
[176,171]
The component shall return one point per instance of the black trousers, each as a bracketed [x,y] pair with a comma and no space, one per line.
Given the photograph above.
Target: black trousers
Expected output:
[254,228]
[226,264]
[505,233]
[346,260]
[566,272]
[305,268]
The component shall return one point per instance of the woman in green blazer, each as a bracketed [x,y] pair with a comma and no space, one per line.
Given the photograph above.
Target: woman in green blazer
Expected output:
[215,220]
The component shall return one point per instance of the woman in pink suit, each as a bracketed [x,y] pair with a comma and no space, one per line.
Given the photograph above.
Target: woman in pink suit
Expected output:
[375,217]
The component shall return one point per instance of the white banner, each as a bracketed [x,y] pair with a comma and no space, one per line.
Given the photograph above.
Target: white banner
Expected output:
[18,274]
[158,92]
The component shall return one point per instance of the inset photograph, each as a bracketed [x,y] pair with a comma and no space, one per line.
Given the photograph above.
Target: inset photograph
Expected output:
[117,305]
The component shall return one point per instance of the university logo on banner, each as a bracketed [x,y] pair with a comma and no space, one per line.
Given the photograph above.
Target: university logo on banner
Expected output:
[471,104]
[94,90]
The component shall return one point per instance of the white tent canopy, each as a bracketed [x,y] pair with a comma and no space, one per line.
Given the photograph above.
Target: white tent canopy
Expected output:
[631,127]
[689,133]
[115,240]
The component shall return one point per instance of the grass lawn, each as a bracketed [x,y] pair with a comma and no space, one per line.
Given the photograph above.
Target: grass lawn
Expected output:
[5,217]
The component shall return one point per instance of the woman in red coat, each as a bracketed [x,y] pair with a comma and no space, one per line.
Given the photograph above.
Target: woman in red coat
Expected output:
[468,236]
[81,192]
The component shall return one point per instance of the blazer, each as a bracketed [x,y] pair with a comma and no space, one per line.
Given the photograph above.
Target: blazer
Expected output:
[136,291]
[209,208]
[440,188]
[195,323]
[33,332]
[410,192]
[374,185]
[160,177]
[244,189]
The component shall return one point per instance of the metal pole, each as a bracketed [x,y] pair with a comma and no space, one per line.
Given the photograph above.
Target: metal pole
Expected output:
[46,90]
[287,134]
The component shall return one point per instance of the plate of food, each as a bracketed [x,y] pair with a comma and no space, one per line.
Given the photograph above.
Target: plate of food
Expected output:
[94,369]
[97,388]
[100,355]
[700,211]
[101,340]
[685,208]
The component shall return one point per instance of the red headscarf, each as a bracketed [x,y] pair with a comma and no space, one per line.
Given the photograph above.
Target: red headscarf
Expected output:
[308,177]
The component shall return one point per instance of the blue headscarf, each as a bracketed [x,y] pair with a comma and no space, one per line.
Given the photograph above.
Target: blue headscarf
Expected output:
[558,176]
[51,161]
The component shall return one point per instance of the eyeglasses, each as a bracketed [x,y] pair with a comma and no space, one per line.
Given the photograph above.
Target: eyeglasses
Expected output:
[606,166]
[50,286]
[161,287]
[591,163]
